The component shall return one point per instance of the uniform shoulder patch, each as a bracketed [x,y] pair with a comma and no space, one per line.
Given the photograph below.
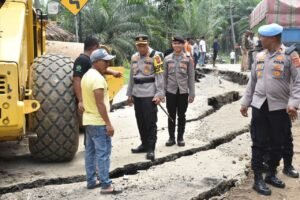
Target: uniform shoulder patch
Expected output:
[296,62]
[158,60]
[158,64]
[78,68]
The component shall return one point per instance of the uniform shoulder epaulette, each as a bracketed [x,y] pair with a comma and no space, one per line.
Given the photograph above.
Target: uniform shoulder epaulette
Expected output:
[289,50]
[134,57]
[186,57]
[169,57]
[260,54]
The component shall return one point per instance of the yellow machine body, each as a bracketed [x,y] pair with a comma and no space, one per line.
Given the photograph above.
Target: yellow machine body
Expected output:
[22,39]
[19,45]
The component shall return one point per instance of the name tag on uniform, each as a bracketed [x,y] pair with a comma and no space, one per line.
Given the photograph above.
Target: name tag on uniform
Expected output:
[260,62]
[279,62]
[148,62]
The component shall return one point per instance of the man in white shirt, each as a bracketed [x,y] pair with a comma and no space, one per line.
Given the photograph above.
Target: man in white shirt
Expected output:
[232,57]
[202,50]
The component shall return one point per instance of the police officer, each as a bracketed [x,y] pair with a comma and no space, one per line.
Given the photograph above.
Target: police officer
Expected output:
[273,92]
[180,88]
[145,91]
[246,47]
[288,151]
[253,52]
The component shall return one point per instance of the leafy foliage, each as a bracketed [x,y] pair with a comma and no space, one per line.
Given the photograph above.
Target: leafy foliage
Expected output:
[117,22]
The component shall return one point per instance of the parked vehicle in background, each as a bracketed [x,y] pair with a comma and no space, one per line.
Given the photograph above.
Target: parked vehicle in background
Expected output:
[283,12]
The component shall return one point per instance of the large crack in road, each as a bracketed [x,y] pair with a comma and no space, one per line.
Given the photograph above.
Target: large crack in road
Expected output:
[216,102]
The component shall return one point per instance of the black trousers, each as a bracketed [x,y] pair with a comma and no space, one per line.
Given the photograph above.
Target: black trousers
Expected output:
[288,150]
[287,153]
[196,58]
[146,118]
[215,54]
[177,103]
[269,132]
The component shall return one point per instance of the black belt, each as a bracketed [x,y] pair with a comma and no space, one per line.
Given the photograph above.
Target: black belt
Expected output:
[143,80]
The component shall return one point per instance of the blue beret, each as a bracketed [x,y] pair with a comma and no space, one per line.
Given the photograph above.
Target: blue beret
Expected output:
[270,30]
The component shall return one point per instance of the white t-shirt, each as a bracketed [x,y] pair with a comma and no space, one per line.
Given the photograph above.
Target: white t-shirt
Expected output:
[232,55]
[196,48]
[202,46]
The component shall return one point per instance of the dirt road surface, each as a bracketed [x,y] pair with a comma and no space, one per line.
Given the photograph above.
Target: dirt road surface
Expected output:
[292,190]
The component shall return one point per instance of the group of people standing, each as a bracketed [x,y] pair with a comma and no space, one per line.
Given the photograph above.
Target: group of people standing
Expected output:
[153,79]
[273,92]
[198,50]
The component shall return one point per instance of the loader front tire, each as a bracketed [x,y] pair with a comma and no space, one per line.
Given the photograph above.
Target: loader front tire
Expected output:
[55,123]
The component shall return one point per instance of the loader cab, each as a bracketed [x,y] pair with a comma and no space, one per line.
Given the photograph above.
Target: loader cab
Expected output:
[40,20]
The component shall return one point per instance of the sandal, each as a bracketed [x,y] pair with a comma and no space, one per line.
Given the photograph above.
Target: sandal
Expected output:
[114,191]
[90,187]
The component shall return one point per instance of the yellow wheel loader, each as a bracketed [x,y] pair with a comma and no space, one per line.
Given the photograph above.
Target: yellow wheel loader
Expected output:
[37,100]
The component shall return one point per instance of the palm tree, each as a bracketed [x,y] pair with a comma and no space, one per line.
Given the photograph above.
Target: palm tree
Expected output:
[116,22]
[112,22]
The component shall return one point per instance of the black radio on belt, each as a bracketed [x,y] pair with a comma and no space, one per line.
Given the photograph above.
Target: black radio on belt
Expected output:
[143,80]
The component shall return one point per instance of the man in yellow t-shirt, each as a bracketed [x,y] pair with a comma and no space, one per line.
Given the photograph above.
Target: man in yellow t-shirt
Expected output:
[99,129]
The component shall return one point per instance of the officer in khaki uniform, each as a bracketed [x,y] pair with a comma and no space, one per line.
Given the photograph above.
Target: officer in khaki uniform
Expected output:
[179,87]
[145,91]
[273,92]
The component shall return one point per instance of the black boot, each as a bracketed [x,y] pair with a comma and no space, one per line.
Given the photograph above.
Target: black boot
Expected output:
[273,180]
[139,149]
[290,171]
[150,155]
[170,142]
[260,186]
[180,142]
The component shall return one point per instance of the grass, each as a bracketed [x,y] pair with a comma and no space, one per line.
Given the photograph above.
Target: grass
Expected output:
[126,75]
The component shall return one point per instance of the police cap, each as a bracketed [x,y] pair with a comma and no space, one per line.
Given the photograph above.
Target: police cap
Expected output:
[141,39]
[270,30]
[178,39]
